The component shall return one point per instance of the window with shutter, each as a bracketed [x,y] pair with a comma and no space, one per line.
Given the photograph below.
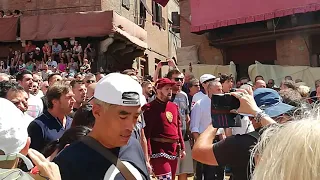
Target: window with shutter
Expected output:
[156,14]
[159,13]
[143,15]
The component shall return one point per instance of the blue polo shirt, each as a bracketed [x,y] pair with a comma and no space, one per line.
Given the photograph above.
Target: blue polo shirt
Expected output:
[45,129]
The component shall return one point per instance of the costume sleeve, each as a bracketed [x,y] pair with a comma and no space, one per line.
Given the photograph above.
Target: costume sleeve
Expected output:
[148,129]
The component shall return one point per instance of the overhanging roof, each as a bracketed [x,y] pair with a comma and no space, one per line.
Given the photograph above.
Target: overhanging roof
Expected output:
[211,14]
[88,24]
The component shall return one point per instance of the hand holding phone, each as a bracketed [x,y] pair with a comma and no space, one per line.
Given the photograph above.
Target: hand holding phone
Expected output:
[221,105]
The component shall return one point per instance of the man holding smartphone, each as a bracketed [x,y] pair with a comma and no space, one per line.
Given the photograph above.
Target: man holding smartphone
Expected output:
[235,150]
[200,120]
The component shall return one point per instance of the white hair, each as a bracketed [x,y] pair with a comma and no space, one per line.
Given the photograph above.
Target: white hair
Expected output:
[289,151]
[304,90]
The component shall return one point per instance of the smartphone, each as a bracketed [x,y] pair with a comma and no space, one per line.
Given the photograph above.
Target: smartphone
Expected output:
[221,117]
[224,102]
[164,63]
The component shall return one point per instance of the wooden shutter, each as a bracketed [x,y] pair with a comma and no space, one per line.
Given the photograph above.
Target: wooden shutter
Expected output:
[159,15]
[163,23]
[175,22]
[154,12]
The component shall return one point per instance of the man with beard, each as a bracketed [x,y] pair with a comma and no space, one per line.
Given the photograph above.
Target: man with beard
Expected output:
[147,90]
[163,131]
[51,125]
[80,93]
[180,98]
[35,105]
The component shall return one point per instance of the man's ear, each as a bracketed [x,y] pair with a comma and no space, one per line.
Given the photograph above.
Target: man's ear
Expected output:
[25,150]
[96,110]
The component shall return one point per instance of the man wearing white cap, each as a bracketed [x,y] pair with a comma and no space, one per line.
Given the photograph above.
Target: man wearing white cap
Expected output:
[14,144]
[204,80]
[116,107]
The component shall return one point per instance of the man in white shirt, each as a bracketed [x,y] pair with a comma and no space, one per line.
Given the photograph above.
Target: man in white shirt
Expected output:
[35,105]
[204,80]
[200,120]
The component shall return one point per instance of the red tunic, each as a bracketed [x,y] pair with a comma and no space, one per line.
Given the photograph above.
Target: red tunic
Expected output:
[158,125]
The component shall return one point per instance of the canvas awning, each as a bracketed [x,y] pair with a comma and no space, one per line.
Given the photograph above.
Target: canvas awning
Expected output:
[88,24]
[8,29]
[211,14]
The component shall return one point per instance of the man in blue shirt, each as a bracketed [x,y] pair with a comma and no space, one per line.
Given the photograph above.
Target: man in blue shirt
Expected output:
[51,125]
[116,106]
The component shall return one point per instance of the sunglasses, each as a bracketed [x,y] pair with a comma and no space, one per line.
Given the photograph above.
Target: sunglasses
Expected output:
[178,79]
[90,81]
[196,85]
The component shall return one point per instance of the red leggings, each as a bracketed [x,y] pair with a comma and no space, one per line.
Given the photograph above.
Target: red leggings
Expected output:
[164,168]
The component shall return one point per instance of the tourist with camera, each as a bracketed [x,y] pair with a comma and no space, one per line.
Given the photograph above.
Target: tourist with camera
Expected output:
[234,151]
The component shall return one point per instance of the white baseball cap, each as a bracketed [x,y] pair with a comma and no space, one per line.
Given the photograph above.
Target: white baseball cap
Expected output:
[119,89]
[13,132]
[207,77]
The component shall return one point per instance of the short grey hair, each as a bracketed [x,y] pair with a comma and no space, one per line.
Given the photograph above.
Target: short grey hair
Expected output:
[213,83]
[103,104]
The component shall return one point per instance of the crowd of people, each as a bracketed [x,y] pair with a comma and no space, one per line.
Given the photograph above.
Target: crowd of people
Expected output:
[119,126]
[65,59]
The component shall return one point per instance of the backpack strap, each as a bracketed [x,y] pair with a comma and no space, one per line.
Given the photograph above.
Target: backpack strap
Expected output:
[94,144]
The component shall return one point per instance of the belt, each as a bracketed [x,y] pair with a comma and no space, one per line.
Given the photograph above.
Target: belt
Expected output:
[164,140]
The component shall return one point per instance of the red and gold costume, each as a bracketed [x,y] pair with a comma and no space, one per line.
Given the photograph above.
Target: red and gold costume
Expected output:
[164,136]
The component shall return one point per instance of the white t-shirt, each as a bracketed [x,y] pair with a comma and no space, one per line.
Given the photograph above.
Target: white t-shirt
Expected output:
[40,94]
[246,127]
[52,63]
[198,96]
[28,118]
[201,116]
[35,106]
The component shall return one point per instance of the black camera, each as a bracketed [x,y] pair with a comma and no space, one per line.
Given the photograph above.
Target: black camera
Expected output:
[221,117]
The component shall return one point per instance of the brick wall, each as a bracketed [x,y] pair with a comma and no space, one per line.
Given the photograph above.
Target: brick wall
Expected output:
[207,54]
[292,50]
[34,7]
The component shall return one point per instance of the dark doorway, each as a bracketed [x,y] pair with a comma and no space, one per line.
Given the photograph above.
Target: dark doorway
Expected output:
[245,55]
